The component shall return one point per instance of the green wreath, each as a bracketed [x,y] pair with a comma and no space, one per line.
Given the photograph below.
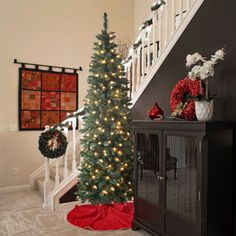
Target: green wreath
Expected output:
[52,143]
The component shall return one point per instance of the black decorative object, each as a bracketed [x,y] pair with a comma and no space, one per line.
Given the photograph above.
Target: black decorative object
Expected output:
[146,23]
[50,68]
[136,45]
[157,5]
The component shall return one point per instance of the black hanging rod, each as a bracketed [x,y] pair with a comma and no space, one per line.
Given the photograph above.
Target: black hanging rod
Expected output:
[50,67]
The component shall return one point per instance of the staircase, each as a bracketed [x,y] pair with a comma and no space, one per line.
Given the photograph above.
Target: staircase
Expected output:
[57,176]
[156,40]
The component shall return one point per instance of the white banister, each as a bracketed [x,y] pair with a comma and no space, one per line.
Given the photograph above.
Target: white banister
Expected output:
[55,183]
[157,37]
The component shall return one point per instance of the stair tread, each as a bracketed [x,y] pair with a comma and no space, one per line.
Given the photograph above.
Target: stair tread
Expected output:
[40,184]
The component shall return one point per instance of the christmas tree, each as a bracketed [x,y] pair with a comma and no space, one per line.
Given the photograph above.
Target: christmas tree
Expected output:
[106,168]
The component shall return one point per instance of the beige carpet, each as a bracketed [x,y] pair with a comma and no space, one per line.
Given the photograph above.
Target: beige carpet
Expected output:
[21,215]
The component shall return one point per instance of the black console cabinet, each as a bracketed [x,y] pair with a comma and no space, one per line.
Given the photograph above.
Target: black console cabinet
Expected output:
[183,178]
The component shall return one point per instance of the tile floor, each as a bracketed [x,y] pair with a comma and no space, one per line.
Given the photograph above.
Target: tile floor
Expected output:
[21,215]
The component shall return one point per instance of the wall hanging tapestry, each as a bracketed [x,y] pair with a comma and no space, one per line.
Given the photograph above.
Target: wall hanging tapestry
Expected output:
[46,96]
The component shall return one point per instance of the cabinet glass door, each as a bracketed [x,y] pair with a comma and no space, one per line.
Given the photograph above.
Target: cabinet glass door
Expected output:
[148,171]
[181,184]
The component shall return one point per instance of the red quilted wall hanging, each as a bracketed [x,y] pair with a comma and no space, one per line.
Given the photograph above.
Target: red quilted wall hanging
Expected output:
[45,97]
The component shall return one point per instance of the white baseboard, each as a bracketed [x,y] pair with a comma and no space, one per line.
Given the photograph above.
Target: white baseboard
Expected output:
[14,188]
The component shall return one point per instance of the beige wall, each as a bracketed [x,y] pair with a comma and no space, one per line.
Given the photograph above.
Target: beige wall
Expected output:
[142,13]
[57,32]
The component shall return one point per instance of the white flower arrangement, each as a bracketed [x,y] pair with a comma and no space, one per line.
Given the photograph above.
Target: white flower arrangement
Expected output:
[203,69]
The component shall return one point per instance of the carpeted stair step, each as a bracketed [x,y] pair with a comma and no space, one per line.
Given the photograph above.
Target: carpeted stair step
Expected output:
[40,184]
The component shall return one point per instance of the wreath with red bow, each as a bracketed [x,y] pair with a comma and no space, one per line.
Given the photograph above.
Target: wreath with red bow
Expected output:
[182,99]
[52,143]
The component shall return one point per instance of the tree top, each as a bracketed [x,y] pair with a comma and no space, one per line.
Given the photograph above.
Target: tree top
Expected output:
[105,24]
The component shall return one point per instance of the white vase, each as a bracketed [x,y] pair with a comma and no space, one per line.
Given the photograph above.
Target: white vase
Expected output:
[204,110]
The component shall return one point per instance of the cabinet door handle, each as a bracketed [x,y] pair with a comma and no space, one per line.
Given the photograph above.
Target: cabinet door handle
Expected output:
[139,158]
[160,178]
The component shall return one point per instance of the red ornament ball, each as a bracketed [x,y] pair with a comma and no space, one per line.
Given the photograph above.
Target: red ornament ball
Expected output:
[155,112]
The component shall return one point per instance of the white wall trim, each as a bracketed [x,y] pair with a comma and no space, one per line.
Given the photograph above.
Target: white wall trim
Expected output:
[14,188]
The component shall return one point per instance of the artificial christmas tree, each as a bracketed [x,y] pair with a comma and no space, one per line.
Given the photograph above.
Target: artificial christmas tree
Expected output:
[106,168]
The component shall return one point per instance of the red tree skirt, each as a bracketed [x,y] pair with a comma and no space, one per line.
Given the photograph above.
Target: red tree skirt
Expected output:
[102,217]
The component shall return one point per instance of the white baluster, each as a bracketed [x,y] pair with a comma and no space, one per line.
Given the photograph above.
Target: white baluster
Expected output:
[74,144]
[172,17]
[188,4]
[154,37]
[148,50]
[143,66]
[166,23]
[127,72]
[57,173]
[81,124]
[180,11]
[46,178]
[138,67]
[46,184]
[65,156]
[133,72]
[179,14]
[159,28]
[129,77]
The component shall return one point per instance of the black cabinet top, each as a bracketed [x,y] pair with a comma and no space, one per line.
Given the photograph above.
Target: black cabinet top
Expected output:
[201,126]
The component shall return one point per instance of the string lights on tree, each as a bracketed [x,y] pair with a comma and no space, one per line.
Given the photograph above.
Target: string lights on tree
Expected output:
[106,170]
